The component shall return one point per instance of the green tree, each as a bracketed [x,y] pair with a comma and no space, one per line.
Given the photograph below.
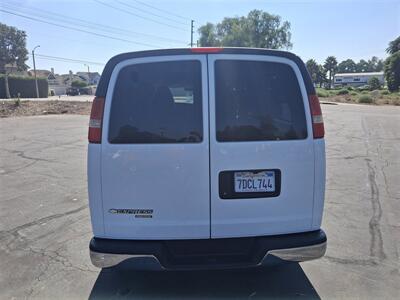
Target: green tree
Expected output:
[330,66]
[208,36]
[392,71]
[321,77]
[78,83]
[347,66]
[13,53]
[392,66]
[374,83]
[362,66]
[313,69]
[394,46]
[375,64]
[258,29]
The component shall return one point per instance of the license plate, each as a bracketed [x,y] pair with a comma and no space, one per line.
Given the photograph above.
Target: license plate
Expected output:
[250,182]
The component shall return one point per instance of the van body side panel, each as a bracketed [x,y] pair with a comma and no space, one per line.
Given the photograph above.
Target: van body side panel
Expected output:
[94,189]
[319,182]
[291,210]
[155,191]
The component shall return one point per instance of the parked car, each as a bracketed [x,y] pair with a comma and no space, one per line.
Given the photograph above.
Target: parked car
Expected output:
[74,91]
[205,158]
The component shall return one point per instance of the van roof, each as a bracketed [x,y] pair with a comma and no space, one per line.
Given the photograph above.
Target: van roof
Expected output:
[101,90]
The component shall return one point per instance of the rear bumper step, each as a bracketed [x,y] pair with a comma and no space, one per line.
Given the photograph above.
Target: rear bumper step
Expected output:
[208,254]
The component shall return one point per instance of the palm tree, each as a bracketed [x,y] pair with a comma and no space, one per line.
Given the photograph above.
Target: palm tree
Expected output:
[330,66]
[394,46]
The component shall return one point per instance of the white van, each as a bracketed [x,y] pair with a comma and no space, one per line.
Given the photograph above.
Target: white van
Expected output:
[205,158]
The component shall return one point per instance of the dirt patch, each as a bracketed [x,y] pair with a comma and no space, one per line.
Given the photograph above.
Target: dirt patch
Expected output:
[34,108]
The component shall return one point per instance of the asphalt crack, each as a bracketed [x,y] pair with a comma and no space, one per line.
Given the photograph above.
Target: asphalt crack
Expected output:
[40,221]
[23,155]
[376,247]
[351,261]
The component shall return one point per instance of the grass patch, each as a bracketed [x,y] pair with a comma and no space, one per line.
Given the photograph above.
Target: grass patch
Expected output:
[342,92]
[322,94]
[377,97]
[365,99]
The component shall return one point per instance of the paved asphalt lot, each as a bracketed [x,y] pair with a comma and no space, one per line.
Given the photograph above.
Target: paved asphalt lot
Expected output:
[45,228]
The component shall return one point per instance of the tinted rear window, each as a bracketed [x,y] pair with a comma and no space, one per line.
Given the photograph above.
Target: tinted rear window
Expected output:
[157,103]
[258,101]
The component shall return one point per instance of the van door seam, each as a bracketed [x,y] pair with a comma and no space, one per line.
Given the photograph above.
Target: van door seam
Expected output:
[209,142]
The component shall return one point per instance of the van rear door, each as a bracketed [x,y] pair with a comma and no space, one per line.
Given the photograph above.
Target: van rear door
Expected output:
[261,146]
[155,149]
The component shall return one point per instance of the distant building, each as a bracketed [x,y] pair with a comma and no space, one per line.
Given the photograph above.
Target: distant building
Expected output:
[49,75]
[56,84]
[356,79]
[91,78]
[13,70]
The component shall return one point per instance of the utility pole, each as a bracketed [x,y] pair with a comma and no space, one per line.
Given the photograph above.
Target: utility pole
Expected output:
[88,73]
[191,33]
[88,76]
[34,69]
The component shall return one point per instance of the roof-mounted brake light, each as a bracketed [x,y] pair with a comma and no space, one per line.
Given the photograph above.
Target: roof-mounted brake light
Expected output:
[206,49]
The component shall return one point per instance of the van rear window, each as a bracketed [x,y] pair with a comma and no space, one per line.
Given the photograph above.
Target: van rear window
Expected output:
[258,101]
[157,103]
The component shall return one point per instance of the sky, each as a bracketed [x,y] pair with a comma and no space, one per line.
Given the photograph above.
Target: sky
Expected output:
[356,29]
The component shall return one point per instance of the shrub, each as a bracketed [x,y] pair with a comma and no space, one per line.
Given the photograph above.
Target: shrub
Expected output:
[364,92]
[350,88]
[322,94]
[342,92]
[24,86]
[374,83]
[354,93]
[78,83]
[363,88]
[385,92]
[375,94]
[365,99]
[17,101]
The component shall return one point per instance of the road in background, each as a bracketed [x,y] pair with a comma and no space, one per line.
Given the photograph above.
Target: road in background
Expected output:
[45,224]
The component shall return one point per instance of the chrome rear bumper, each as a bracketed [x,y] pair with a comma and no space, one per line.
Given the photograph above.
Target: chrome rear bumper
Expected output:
[298,254]
[107,260]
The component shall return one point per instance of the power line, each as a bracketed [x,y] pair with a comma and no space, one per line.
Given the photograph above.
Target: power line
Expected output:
[58,58]
[162,10]
[150,13]
[139,16]
[80,30]
[92,25]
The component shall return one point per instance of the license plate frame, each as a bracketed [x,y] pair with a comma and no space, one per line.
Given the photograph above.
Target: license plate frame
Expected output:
[227,185]
[254,182]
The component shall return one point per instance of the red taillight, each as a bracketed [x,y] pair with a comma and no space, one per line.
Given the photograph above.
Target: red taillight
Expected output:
[96,120]
[316,114]
[206,49]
